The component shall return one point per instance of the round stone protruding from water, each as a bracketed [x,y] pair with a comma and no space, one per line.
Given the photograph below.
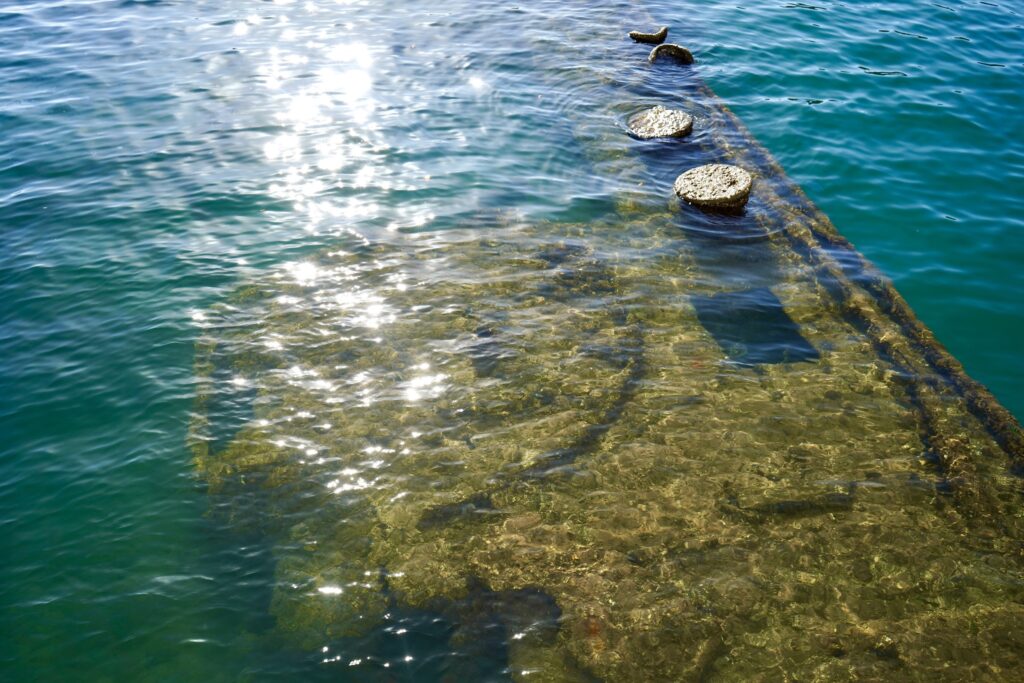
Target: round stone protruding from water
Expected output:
[660,122]
[671,51]
[655,38]
[715,186]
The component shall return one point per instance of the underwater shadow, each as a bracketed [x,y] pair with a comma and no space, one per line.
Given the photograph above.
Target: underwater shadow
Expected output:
[752,327]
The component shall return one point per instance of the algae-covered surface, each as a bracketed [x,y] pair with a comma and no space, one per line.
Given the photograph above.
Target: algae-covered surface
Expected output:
[520,416]
[659,445]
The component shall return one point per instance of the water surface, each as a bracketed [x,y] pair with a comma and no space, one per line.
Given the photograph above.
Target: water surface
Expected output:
[165,164]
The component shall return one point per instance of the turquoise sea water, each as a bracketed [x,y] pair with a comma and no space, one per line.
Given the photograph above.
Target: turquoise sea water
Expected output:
[157,155]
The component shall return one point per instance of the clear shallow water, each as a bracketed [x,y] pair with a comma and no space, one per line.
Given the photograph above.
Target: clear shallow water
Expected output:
[156,156]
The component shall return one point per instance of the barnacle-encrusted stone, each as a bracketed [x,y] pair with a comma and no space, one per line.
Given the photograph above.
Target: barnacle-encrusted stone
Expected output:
[715,186]
[660,122]
[671,51]
[653,38]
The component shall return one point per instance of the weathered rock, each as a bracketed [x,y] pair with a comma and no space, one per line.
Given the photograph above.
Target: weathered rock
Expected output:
[715,186]
[671,51]
[660,122]
[655,38]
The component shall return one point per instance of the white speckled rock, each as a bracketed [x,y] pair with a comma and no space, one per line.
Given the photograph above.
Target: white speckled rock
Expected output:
[715,186]
[660,122]
[671,51]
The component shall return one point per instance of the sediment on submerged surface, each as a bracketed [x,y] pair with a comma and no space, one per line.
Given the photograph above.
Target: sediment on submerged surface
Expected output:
[637,493]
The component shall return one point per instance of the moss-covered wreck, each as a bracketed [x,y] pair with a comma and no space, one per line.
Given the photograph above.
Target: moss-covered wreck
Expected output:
[738,459]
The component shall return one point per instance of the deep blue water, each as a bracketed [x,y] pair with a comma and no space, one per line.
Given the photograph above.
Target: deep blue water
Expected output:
[156,155]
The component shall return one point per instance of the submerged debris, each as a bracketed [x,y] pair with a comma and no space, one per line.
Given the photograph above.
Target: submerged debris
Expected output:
[671,51]
[660,122]
[652,38]
[715,186]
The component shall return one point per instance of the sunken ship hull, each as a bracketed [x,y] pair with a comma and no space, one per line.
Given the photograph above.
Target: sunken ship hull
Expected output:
[667,444]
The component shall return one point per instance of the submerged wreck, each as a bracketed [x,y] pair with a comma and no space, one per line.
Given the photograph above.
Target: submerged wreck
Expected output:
[672,444]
